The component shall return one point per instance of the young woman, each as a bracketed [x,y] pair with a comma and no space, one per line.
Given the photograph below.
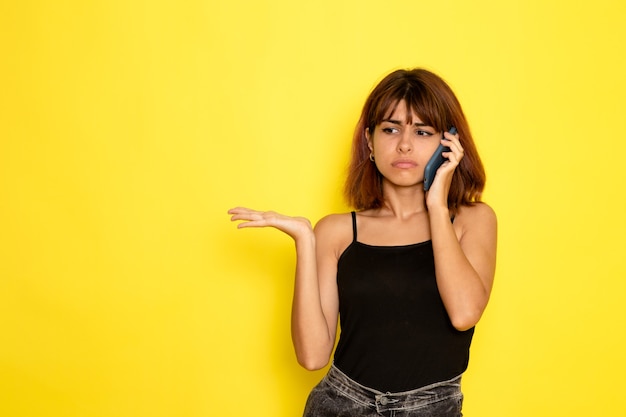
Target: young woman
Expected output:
[408,274]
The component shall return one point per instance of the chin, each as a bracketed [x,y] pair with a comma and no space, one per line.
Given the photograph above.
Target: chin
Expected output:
[409,184]
[405,182]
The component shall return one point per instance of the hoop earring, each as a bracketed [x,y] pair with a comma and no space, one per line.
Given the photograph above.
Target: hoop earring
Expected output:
[371,157]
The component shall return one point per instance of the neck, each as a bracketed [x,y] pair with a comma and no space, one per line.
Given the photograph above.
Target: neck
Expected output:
[403,202]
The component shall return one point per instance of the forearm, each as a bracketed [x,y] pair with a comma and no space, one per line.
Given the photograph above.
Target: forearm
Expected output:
[310,332]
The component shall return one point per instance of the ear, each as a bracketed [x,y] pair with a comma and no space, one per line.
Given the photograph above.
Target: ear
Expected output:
[370,145]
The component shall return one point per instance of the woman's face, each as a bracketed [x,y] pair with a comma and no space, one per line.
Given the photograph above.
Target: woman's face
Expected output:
[400,149]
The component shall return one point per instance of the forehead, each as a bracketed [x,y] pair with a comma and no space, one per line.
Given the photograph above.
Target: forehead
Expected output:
[399,111]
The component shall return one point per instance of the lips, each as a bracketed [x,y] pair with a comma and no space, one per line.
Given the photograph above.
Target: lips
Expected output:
[404,163]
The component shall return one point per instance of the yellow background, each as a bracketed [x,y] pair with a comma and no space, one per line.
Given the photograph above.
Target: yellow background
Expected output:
[128,128]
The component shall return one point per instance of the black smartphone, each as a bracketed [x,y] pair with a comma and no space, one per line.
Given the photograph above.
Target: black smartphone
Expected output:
[435,162]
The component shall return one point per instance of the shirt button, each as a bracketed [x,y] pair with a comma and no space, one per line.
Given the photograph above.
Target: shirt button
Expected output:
[384,401]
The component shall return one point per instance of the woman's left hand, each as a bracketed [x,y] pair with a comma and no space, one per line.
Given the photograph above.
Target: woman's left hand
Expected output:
[437,196]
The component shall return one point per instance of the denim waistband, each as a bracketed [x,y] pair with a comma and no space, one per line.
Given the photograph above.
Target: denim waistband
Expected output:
[407,400]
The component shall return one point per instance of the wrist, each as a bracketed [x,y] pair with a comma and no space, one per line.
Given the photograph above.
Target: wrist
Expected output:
[305,235]
[438,210]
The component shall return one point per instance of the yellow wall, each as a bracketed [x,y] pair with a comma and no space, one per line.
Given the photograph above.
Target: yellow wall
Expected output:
[128,128]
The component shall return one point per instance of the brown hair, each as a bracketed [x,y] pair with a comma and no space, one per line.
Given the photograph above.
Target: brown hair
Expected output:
[432,100]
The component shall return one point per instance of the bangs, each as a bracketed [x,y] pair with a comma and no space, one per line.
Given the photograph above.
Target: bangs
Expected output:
[419,101]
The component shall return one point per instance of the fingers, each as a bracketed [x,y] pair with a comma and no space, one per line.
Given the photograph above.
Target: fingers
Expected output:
[296,227]
[256,218]
[241,212]
[249,217]
[456,149]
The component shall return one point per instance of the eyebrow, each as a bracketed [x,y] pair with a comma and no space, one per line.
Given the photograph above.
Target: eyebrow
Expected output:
[399,123]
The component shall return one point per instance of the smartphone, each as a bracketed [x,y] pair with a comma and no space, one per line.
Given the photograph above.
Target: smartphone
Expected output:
[435,162]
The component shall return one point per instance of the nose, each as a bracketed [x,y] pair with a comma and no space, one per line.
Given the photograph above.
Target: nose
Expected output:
[404,145]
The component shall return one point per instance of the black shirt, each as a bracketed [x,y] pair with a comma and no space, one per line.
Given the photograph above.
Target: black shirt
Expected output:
[395,332]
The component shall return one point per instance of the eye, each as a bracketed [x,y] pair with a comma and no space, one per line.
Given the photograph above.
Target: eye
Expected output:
[389,130]
[423,133]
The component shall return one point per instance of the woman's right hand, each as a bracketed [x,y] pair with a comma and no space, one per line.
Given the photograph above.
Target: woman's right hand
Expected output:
[296,227]
[315,306]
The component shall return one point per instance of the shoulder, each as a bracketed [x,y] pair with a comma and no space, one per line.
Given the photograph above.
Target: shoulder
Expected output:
[476,212]
[332,221]
[334,232]
[479,217]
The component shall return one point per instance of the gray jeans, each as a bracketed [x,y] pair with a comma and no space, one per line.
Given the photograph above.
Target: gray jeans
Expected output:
[339,396]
